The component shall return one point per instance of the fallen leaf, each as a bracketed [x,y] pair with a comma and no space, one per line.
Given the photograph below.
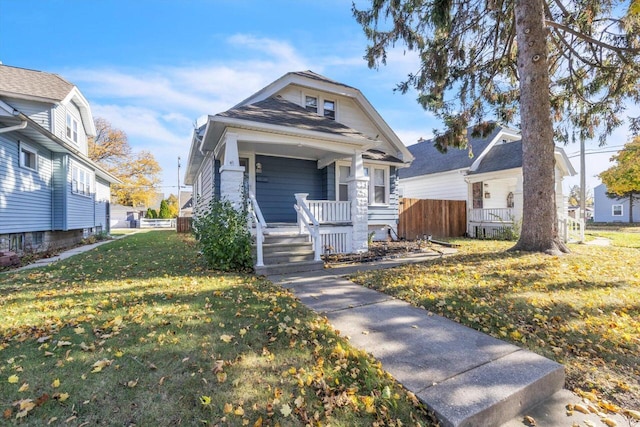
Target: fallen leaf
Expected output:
[226,338]
[609,422]
[13,379]
[285,410]
[23,387]
[55,383]
[529,420]
[133,383]
[632,414]
[228,408]
[7,413]
[580,408]
[239,411]
[205,400]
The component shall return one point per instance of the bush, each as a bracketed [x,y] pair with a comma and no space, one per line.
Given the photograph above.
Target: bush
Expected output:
[223,237]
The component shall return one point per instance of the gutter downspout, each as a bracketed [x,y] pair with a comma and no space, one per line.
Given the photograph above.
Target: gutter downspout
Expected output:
[22,125]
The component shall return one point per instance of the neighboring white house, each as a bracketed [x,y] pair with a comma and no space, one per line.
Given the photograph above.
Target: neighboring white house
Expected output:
[51,193]
[308,141]
[612,209]
[487,175]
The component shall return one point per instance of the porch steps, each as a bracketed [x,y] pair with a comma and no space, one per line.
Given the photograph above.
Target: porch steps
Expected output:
[285,251]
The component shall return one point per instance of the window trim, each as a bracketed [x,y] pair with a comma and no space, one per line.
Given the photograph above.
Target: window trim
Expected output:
[324,109]
[371,186]
[320,102]
[613,210]
[308,106]
[71,131]
[74,182]
[27,148]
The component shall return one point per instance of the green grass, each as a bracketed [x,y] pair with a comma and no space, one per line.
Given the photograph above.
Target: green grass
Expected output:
[625,236]
[582,310]
[138,331]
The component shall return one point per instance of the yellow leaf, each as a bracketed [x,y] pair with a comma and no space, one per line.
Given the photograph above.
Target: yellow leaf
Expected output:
[226,338]
[609,422]
[239,411]
[285,410]
[580,408]
[118,354]
[299,401]
[63,343]
[633,414]
[258,422]
[27,405]
[228,408]
[243,331]
[63,396]
[530,420]
[132,383]
[79,330]
[13,379]
[222,377]
[205,400]
[55,383]
[24,387]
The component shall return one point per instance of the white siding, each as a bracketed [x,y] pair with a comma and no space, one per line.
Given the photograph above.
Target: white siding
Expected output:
[442,186]
[498,191]
[204,184]
[103,194]
[347,111]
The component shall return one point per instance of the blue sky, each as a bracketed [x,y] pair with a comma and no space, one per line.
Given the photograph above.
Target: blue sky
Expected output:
[152,68]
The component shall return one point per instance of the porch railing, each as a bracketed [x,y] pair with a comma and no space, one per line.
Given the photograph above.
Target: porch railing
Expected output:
[307,220]
[499,215]
[258,220]
[328,211]
[571,229]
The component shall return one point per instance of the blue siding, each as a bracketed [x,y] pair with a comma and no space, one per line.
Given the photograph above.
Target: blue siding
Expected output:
[387,214]
[331,181]
[80,208]
[280,180]
[603,207]
[39,112]
[60,168]
[25,195]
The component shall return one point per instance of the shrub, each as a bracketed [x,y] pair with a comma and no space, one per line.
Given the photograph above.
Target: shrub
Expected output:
[223,236]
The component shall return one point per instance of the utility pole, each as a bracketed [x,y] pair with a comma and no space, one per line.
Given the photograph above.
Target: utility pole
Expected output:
[583,183]
[179,205]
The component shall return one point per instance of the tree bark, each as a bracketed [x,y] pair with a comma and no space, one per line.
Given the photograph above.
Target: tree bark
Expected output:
[539,218]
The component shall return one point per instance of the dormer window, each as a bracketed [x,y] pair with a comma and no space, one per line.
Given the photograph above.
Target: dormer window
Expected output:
[72,128]
[330,109]
[311,104]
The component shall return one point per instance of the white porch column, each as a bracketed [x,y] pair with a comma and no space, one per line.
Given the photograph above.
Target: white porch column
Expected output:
[358,185]
[231,173]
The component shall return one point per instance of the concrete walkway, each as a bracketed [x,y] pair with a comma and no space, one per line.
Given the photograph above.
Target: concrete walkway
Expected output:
[466,377]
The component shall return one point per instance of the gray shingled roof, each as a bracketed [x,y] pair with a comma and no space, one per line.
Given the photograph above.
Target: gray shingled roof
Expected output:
[315,76]
[278,111]
[23,82]
[501,157]
[429,160]
[380,156]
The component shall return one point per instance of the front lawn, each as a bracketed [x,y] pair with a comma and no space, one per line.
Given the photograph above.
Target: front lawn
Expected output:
[582,310]
[627,236]
[139,332]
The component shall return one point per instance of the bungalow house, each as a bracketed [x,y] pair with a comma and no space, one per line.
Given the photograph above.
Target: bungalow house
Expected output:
[51,193]
[613,209]
[487,176]
[315,158]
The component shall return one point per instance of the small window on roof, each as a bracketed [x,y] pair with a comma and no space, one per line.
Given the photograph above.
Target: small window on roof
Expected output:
[330,109]
[311,104]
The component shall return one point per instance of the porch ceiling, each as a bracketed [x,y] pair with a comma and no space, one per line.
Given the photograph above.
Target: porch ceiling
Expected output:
[298,151]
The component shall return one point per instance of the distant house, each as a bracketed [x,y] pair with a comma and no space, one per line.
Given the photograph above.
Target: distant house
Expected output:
[186,200]
[51,193]
[489,180]
[304,144]
[612,209]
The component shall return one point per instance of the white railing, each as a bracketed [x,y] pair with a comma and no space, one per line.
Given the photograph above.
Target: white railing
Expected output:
[501,215]
[258,220]
[307,220]
[571,229]
[156,223]
[329,211]
[336,239]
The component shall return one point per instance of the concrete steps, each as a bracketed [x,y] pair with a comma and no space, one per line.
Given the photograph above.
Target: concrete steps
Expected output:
[286,251]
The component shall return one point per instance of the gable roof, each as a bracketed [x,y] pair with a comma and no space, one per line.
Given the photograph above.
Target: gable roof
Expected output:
[22,82]
[501,157]
[315,76]
[280,112]
[429,160]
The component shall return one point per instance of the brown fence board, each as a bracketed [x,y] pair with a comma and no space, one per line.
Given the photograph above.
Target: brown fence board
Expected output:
[438,218]
[184,224]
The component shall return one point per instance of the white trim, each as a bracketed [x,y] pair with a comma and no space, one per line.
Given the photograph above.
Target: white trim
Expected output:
[613,212]
[71,120]
[31,150]
[370,167]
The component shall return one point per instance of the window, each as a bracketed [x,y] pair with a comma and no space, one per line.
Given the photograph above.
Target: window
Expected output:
[330,109]
[377,186]
[28,157]
[343,187]
[476,189]
[311,104]
[616,210]
[510,202]
[82,181]
[72,128]
[37,238]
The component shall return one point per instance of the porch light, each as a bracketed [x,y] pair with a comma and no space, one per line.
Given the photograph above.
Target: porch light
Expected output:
[258,167]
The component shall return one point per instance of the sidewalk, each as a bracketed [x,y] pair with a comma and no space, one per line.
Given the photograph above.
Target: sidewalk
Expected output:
[466,377]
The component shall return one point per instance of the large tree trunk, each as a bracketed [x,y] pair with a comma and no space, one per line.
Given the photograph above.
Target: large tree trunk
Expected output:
[539,220]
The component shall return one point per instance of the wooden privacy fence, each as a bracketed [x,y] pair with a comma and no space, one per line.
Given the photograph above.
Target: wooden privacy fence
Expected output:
[438,218]
[184,224]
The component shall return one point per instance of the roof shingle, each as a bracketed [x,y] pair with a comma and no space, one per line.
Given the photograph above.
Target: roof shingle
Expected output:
[23,82]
